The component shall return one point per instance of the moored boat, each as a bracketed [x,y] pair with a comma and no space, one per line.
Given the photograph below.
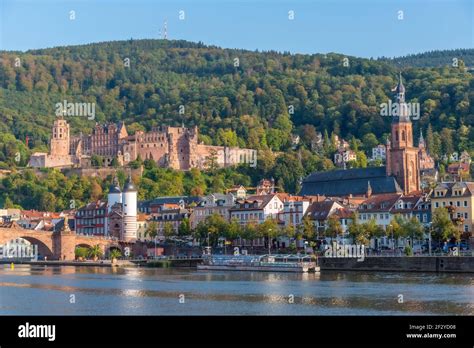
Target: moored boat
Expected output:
[259,263]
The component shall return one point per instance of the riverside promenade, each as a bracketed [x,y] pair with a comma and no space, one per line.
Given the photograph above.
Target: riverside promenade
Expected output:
[440,264]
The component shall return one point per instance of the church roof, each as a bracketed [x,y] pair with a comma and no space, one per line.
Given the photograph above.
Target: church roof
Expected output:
[349,182]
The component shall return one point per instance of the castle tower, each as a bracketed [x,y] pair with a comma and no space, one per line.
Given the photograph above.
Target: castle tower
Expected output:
[129,209]
[403,157]
[193,146]
[60,138]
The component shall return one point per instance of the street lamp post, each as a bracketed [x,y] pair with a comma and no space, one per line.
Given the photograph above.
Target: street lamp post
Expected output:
[429,239]
[393,244]
[208,243]
[269,250]
[155,246]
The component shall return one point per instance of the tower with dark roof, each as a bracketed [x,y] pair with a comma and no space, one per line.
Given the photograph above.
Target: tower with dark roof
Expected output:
[115,194]
[129,209]
[403,156]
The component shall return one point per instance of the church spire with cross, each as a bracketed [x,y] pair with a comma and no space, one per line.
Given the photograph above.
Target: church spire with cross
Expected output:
[402,156]
[402,113]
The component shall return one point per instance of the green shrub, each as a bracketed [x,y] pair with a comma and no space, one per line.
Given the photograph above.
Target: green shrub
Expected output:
[408,250]
[81,252]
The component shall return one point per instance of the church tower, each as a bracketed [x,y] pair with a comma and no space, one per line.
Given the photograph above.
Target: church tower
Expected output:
[403,156]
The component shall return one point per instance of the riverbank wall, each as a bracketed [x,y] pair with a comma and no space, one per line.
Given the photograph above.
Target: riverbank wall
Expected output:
[105,263]
[440,264]
[166,263]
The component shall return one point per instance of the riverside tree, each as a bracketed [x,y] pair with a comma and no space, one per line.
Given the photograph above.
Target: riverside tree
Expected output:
[443,226]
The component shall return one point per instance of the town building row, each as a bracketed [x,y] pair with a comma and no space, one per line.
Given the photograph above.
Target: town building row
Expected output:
[123,217]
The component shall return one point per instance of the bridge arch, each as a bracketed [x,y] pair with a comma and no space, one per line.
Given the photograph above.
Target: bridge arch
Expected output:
[83,245]
[44,250]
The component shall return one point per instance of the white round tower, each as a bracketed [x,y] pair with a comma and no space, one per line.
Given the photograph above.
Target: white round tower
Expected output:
[114,196]
[129,209]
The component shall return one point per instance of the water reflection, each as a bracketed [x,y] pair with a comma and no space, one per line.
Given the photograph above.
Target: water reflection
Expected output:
[99,290]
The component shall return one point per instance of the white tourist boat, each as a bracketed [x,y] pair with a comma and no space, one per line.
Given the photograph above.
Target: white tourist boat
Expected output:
[261,263]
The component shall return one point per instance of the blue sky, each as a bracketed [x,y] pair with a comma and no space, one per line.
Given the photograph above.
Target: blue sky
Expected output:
[365,28]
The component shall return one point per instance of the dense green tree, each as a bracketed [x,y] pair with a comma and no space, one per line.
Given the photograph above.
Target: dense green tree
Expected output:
[152,230]
[334,227]
[168,230]
[184,228]
[443,226]
[369,141]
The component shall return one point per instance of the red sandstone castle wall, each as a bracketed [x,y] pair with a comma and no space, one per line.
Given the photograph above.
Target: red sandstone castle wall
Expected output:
[174,147]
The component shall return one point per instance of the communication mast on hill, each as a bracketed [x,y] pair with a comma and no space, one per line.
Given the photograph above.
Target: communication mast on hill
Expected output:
[165,30]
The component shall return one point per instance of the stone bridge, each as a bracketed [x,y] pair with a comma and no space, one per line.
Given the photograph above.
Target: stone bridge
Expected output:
[59,245]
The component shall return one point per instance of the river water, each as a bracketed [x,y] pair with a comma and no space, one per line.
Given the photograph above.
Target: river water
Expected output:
[68,290]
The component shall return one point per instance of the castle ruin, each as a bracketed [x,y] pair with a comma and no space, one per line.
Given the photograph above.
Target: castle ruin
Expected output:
[169,147]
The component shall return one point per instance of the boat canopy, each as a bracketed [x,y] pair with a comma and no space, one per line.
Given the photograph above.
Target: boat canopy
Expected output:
[254,258]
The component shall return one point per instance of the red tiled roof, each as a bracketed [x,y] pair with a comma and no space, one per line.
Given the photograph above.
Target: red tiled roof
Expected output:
[320,210]
[291,198]
[143,217]
[344,213]
[453,168]
[32,214]
[383,202]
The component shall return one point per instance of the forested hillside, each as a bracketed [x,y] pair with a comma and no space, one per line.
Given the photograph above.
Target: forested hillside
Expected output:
[435,59]
[236,97]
